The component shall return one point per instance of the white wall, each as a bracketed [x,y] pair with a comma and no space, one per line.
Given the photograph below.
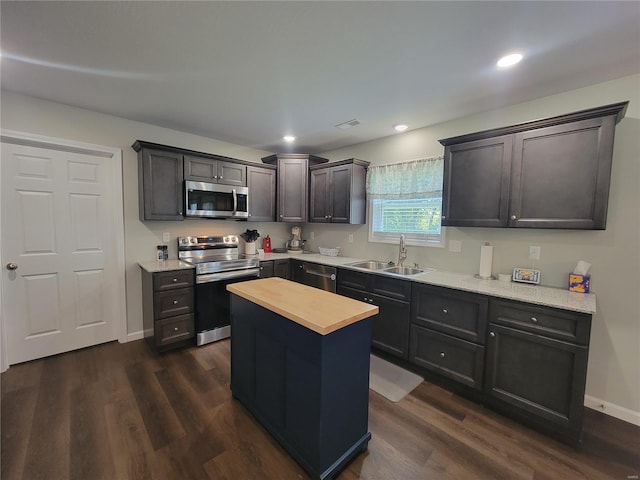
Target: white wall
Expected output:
[614,364]
[32,115]
[614,361]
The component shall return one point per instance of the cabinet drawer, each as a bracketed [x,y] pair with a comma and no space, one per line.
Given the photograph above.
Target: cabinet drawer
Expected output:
[174,329]
[451,357]
[563,325]
[173,302]
[173,279]
[458,314]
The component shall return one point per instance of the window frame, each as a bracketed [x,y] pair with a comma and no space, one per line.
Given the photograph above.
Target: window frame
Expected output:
[420,240]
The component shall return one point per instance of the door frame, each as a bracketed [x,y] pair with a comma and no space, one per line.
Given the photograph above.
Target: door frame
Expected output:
[115,154]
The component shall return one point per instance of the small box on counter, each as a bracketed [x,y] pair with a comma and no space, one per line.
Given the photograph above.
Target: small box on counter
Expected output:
[579,283]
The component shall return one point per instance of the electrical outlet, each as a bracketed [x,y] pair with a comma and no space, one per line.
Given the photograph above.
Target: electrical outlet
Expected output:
[350,238]
[312,235]
[455,246]
[166,237]
[534,253]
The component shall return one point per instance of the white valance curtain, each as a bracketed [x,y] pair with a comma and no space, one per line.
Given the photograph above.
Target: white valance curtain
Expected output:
[415,179]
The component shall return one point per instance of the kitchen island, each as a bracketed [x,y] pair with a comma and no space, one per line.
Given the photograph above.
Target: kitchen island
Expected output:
[300,365]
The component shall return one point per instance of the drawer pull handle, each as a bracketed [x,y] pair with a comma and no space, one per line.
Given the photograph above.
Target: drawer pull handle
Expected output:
[492,334]
[534,319]
[441,354]
[175,302]
[445,311]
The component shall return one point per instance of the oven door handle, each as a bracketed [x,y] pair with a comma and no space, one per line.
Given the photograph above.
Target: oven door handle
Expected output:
[216,277]
[235,200]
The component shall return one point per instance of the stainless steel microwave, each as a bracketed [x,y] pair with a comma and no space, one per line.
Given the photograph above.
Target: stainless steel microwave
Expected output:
[213,200]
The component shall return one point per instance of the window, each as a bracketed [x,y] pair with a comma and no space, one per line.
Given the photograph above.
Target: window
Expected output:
[406,198]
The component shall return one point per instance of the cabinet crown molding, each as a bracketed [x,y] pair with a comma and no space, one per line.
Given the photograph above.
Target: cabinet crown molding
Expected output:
[617,109]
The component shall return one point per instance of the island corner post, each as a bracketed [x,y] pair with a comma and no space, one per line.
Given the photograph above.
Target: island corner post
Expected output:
[300,364]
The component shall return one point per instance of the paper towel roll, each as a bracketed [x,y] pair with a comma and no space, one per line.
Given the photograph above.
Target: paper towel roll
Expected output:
[486,259]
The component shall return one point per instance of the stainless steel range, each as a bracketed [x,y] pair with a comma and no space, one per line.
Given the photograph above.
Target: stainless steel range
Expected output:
[218,264]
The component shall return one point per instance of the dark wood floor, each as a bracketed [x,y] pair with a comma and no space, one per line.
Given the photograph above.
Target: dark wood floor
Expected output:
[117,411]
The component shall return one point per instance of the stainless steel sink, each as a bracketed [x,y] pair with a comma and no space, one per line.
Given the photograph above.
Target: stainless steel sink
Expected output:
[403,270]
[370,265]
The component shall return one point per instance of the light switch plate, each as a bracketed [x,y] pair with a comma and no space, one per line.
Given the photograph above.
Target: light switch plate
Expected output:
[534,253]
[350,238]
[455,246]
[166,237]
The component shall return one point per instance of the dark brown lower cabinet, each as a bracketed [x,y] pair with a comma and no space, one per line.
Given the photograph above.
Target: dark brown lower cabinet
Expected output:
[532,371]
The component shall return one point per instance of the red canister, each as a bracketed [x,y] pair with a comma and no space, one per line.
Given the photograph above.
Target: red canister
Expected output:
[267,244]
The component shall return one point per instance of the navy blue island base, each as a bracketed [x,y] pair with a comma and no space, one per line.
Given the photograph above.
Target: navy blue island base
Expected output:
[310,391]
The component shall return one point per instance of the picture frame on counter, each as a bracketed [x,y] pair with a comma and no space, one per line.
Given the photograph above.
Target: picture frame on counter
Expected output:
[526,275]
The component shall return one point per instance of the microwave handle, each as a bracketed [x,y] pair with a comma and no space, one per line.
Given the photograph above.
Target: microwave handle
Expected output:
[235,200]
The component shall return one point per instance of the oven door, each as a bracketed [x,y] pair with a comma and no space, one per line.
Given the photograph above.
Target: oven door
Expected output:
[212,303]
[212,200]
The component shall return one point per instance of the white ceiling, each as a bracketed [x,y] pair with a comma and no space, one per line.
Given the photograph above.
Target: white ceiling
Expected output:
[250,72]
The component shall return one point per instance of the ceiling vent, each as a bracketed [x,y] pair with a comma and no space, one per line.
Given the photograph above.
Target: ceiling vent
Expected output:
[348,124]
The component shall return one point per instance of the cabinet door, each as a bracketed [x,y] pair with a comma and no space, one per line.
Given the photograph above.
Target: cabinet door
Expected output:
[281,268]
[476,183]
[266,269]
[297,271]
[391,326]
[319,196]
[340,194]
[160,184]
[262,194]
[230,173]
[560,176]
[200,169]
[292,189]
[535,374]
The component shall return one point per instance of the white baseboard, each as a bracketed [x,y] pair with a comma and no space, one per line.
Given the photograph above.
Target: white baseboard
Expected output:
[135,336]
[611,409]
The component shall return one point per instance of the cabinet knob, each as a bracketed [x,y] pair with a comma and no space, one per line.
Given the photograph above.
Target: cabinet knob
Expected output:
[366,299]
[175,280]
[281,216]
[175,302]
[445,311]
[300,267]
[219,178]
[329,217]
[492,334]
[534,319]
[441,354]
[513,217]
[371,300]
[443,217]
[175,329]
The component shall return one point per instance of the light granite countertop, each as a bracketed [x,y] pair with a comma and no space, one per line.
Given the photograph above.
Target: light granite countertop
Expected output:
[535,294]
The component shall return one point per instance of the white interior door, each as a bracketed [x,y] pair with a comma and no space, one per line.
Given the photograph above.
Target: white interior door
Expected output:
[62,285]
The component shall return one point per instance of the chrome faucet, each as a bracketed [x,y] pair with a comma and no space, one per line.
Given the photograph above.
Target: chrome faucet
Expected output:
[402,253]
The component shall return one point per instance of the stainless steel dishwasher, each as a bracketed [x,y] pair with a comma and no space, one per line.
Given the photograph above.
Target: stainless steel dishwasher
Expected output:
[319,276]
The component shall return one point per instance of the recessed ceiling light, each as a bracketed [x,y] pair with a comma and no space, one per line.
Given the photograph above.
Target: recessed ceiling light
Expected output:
[289,138]
[509,60]
[400,127]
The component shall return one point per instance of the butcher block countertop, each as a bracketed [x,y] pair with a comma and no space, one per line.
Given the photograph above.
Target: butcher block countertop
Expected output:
[318,310]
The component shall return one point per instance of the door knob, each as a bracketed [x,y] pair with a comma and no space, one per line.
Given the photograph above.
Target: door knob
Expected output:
[12,266]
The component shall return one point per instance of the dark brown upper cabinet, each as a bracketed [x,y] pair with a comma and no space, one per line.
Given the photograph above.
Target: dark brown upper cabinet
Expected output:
[262,193]
[337,192]
[204,169]
[160,190]
[551,173]
[293,181]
